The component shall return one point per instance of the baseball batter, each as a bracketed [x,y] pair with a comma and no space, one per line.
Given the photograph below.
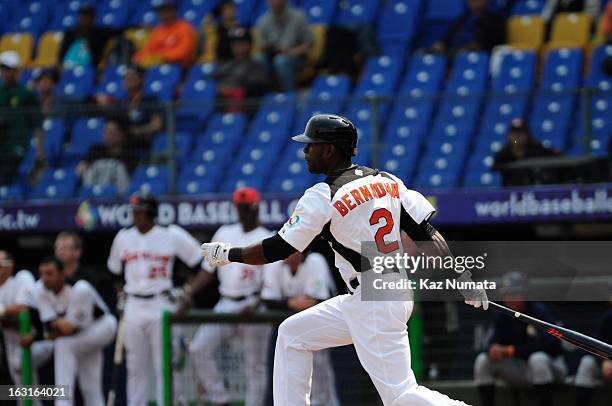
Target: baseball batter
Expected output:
[145,253]
[297,284]
[354,204]
[16,296]
[78,320]
[240,286]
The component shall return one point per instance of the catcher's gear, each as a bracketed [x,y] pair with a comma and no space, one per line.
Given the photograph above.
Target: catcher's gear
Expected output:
[330,129]
[143,201]
[216,253]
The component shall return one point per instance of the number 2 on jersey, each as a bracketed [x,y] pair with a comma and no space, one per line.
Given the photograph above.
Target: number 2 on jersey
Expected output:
[386,228]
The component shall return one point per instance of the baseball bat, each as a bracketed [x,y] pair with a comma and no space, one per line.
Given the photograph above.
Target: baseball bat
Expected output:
[117,361]
[580,340]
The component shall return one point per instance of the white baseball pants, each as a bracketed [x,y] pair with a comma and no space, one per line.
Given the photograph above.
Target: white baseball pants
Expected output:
[142,339]
[378,332]
[323,380]
[81,355]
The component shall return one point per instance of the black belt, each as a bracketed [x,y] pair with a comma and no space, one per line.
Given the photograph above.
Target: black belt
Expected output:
[354,283]
[239,298]
[151,296]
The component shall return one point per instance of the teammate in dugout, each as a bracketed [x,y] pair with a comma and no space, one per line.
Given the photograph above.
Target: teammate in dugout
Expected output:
[354,204]
[296,284]
[79,322]
[145,253]
[240,287]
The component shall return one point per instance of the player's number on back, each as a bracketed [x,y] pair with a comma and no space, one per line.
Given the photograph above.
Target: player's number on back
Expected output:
[385,217]
[157,272]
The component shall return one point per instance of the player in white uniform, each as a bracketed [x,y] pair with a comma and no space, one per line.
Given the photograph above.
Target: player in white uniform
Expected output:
[15,297]
[78,320]
[354,204]
[240,286]
[297,284]
[145,253]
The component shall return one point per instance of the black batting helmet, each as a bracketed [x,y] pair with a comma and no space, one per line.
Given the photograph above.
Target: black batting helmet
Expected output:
[330,129]
[143,201]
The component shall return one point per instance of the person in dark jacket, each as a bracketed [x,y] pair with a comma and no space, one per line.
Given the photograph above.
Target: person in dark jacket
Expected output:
[85,33]
[518,353]
[478,29]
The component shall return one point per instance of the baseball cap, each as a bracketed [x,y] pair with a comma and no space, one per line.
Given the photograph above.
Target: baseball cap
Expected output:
[10,59]
[518,124]
[157,4]
[246,195]
[240,34]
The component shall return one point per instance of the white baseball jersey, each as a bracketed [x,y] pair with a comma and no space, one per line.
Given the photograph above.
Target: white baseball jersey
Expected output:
[354,205]
[148,259]
[17,289]
[312,278]
[236,279]
[79,304]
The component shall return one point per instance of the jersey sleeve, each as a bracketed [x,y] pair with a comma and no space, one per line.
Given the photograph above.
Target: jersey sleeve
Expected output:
[318,277]
[415,204]
[82,302]
[272,283]
[312,212]
[114,262]
[25,288]
[187,248]
[45,308]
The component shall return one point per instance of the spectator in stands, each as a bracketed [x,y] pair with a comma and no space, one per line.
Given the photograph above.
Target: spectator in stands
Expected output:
[173,41]
[519,354]
[105,164]
[554,7]
[85,44]
[478,29]
[521,145]
[241,76]
[227,21]
[593,371]
[45,83]
[284,38]
[68,248]
[19,118]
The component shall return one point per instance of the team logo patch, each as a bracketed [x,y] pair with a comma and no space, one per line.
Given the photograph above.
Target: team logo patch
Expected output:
[294,219]
[86,216]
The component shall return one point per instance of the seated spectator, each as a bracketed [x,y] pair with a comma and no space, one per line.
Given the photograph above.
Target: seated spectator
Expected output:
[85,44]
[519,354]
[593,371]
[478,29]
[241,76]
[105,164]
[227,21]
[284,38]
[521,145]
[137,113]
[45,83]
[19,119]
[172,41]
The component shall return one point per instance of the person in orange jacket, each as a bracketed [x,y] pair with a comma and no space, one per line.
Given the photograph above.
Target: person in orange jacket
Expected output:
[172,41]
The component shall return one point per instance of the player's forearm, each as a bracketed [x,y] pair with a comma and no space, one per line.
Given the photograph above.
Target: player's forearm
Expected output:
[201,280]
[12,310]
[251,255]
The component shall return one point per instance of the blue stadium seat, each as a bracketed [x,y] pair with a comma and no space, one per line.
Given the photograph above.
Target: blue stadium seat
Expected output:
[98,192]
[85,133]
[320,11]
[562,70]
[152,179]
[112,82]
[6,12]
[11,192]
[194,11]
[400,158]
[596,77]
[481,160]
[528,7]
[436,179]
[246,11]
[183,144]
[482,179]
[380,76]
[199,178]
[517,73]
[409,121]
[469,74]
[65,15]
[352,12]
[425,75]
[30,16]
[54,130]
[291,173]
[397,22]
[27,77]
[437,18]
[144,15]
[60,183]
[76,84]
[327,94]
[113,13]
[261,7]
[198,98]
[161,81]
